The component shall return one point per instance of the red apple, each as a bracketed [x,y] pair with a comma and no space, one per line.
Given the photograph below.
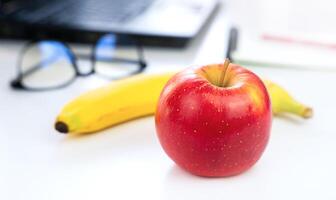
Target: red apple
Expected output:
[214,120]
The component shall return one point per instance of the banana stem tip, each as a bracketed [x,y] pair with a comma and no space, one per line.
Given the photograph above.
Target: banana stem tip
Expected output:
[61,127]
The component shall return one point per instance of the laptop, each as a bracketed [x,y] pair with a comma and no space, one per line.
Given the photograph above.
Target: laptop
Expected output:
[155,22]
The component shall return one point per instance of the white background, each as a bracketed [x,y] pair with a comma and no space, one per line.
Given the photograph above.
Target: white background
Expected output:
[127,162]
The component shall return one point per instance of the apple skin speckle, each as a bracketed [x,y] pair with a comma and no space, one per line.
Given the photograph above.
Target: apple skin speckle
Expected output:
[223,130]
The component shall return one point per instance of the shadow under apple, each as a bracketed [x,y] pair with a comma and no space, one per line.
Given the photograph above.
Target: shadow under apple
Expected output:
[180,184]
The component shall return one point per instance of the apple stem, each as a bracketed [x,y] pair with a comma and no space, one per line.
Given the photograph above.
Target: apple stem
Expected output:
[223,74]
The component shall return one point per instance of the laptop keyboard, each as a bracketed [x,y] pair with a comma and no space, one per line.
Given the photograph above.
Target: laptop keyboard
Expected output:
[117,11]
[63,11]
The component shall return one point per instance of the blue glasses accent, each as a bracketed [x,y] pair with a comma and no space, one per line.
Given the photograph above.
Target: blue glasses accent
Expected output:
[51,64]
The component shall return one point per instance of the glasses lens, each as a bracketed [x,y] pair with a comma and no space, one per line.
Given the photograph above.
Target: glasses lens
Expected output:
[47,64]
[116,61]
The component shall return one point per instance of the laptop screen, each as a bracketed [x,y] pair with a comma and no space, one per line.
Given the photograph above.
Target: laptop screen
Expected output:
[3,2]
[9,6]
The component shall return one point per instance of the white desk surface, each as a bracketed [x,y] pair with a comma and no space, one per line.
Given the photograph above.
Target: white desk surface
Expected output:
[127,162]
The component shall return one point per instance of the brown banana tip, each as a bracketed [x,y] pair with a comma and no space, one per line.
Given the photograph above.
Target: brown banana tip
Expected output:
[308,113]
[61,127]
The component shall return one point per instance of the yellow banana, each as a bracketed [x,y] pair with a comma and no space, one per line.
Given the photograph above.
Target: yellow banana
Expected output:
[283,102]
[115,103]
[137,96]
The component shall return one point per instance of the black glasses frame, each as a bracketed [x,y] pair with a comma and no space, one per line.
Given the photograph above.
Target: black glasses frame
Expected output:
[18,84]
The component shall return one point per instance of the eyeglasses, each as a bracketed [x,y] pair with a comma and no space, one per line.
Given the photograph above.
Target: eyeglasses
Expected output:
[51,64]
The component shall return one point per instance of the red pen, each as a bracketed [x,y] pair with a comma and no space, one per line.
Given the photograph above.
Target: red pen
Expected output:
[298,41]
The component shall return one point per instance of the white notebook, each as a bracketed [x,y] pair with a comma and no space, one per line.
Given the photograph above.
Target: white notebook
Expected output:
[291,33]
[255,51]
